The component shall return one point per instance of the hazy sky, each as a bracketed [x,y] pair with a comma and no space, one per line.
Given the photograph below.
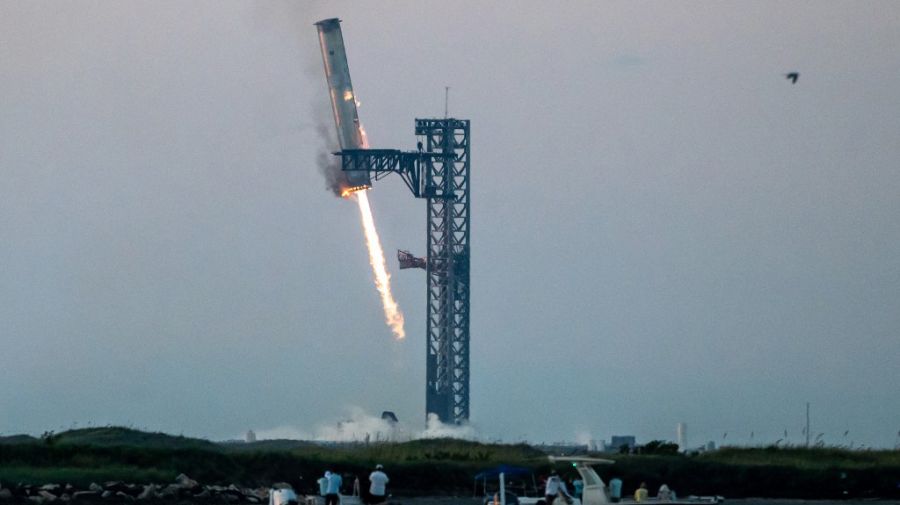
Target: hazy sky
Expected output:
[664,228]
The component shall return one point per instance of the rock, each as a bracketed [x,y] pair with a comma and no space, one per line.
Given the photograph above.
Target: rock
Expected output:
[95,487]
[122,495]
[203,494]
[51,488]
[36,499]
[233,491]
[5,494]
[186,482]
[169,492]
[107,494]
[47,496]
[65,498]
[261,493]
[230,497]
[85,495]
[252,499]
[115,486]
[150,491]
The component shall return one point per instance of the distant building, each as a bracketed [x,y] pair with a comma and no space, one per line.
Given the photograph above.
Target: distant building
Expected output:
[619,441]
[250,437]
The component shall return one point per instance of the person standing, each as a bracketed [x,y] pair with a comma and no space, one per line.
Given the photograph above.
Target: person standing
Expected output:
[641,493]
[578,487]
[554,487]
[664,493]
[615,489]
[378,485]
[323,484]
[332,494]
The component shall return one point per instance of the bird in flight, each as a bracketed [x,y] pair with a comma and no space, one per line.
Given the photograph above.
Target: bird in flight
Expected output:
[793,76]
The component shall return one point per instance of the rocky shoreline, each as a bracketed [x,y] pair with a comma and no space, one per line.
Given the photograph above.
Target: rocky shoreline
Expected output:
[183,489]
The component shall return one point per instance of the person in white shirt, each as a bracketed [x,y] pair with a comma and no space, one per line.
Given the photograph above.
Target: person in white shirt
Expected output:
[554,487]
[664,493]
[378,485]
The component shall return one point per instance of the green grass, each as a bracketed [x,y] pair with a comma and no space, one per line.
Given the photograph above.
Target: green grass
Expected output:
[803,458]
[118,436]
[436,467]
[17,439]
[82,477]
[432,450]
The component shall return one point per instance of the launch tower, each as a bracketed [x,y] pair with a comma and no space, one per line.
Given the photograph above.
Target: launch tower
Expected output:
[447,267]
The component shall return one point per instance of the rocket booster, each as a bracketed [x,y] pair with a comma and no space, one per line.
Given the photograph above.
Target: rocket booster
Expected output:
[343,101]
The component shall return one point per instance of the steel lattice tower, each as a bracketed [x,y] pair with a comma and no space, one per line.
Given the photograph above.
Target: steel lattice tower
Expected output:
[438,172]
[447,324]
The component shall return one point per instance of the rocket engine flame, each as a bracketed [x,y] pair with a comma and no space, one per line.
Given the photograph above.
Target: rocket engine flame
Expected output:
[392,314]
[349,191]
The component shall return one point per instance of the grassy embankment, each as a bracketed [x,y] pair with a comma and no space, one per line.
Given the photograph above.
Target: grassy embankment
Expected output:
[434,467]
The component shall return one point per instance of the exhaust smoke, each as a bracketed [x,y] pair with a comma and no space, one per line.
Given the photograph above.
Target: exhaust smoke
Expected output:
[358,425]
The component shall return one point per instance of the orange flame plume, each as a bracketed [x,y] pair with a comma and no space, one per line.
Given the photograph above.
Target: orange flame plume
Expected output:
[392,314]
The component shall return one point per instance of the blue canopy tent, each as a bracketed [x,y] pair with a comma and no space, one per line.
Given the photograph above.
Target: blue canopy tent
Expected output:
[506,470]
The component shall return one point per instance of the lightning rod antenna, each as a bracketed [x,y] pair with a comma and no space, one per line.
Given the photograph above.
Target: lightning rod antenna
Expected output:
[446,100]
